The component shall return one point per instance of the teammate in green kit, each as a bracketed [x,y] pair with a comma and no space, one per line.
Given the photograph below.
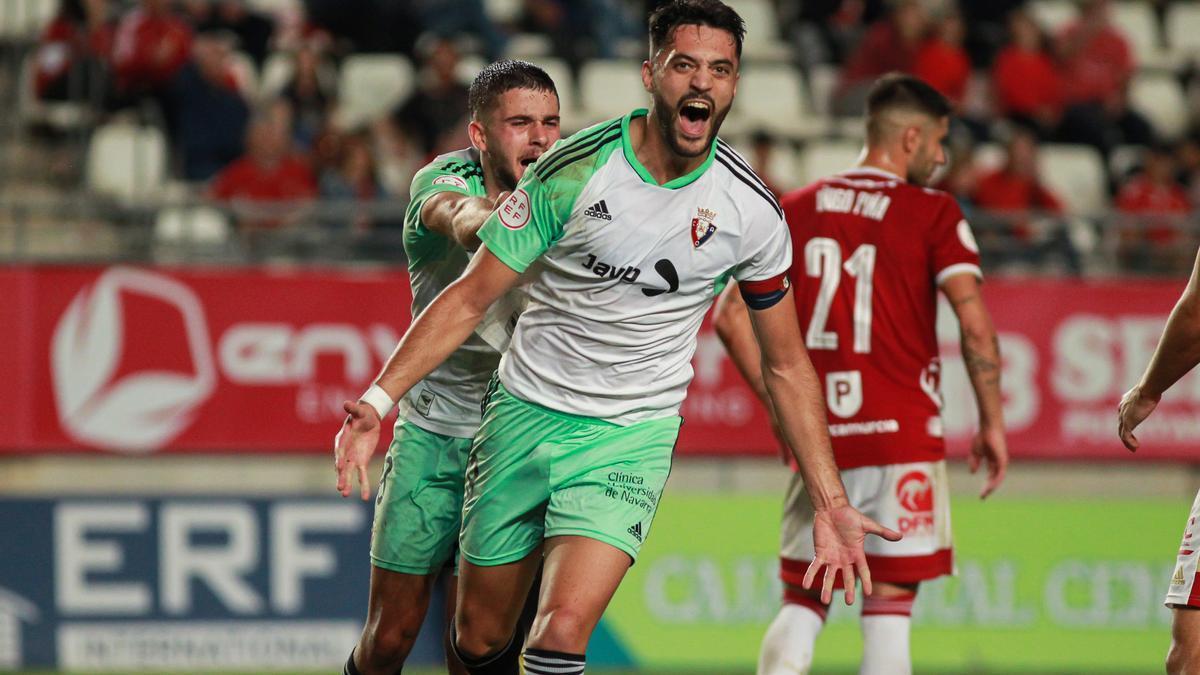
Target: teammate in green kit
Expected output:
[626,229]
[514,119]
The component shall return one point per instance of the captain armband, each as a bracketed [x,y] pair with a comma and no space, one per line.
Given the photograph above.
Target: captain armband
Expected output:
[765,293]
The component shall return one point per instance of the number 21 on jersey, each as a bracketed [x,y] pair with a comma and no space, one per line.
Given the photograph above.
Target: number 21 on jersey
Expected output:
[823,259]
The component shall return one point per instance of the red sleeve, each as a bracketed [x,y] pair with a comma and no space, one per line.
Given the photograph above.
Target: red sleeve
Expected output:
[1047,200]
[952,249]
[223,183]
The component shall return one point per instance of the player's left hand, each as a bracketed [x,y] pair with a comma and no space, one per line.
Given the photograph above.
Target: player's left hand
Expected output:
[1135,407]
[989,446]
[354,445]
[838,536]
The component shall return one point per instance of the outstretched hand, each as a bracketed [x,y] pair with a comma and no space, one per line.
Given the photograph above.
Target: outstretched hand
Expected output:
[354,445]
[1135,407]
[989,447]
[838,536]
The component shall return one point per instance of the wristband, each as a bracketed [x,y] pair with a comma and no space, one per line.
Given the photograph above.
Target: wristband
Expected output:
[378,399]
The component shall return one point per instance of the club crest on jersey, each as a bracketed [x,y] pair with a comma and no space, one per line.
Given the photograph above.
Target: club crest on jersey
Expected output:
[703,227]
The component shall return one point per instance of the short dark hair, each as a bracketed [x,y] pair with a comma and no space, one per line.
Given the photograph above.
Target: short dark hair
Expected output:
[501,76]
[714,13]
[899,91]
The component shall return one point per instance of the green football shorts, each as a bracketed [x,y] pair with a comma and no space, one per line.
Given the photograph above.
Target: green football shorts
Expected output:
[536,473]
[419,507]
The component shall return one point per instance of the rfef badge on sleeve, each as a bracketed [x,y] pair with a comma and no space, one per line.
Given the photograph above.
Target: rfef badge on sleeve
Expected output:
[703,226]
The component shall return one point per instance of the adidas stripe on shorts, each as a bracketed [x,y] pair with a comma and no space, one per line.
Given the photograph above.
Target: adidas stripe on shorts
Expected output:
[1184,591]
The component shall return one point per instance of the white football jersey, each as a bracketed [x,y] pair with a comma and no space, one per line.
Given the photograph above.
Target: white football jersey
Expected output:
[625,270]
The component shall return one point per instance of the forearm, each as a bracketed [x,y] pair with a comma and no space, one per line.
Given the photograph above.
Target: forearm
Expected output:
[795,393]
[437,332]
[743,350]
[467,218]
[981,356]
[1179,349]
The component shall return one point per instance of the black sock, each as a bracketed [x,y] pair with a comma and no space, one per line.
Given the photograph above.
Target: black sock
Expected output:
[504,662]
[546,662]
[350,668]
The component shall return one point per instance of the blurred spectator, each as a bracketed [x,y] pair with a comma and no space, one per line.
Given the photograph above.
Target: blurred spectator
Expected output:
[580,29]
[311,93]
[368,25]
[890,44]
[450,18]
[1097,65]
[434,116]
[211,112]
[1023,223]
[253,30]
[960,175]
[150,47]
[1188,157]
[762,146]
[1155,237]
[824,31]
[352,178]
[1027,83]
[71,62]
[987,27]
[942,61]
[268,172]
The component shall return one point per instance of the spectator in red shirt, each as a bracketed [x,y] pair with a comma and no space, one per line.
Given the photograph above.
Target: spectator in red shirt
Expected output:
[1028,85]
[268,172]
[1097,65]
[150,47]
[71,62]
[942,62]
[889,45]
[1153,204]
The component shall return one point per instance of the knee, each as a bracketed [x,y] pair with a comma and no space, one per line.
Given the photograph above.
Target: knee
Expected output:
[1183,659]
[479,632]
[561,629]
[388,645]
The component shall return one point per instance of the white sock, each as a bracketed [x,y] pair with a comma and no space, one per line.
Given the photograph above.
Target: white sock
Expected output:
[885,645]
[787,648]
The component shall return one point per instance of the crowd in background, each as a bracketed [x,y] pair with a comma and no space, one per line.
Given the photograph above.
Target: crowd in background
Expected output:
[180,65]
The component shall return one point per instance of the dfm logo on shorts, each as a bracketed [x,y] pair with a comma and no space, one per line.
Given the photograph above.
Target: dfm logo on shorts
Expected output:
[629,274]
[914,492]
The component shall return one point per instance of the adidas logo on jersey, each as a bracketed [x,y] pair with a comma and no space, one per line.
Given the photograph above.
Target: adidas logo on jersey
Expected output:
[1177,580]
[598,210]
[636,531]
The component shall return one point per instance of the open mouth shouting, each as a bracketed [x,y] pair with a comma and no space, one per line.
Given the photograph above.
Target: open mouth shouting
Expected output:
[694,116]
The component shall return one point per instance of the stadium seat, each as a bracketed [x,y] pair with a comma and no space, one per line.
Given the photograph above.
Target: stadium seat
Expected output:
[822,82]
[528,46]
[762,31]
[1160,98]
[503,11]
[610,89]
[371,85]
[1183,29]
[1137,22]
[568,95]
[782,168]
[787,112]
[469,66]
[276,7]
[1075,173]
[1053,15]
[276,73]
[25,19]
[193,225]
[989,157]
[825,158]
[127,162]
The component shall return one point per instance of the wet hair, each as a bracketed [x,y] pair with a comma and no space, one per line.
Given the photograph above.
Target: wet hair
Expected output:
[501,76]
[713,13]
[898,91]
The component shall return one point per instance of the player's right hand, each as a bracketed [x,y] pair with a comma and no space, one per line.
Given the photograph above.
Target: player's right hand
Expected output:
[838,536]
[354,445]
[1134,408]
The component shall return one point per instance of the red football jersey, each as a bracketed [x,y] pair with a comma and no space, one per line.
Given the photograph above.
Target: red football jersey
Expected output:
[870,251]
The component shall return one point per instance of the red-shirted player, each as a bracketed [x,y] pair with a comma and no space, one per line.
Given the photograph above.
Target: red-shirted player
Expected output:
[1177,353]
[873,247]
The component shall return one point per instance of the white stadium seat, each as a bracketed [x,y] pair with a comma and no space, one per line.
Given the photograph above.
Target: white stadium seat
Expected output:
[528,46]
[194,225]
[762,31]
[1160,98]
[25,19]
[1076,175]
[782,168]
[822,83]
[825,158]
[610,89]
[371,85]
[1136,21]
[126,161]
[1053,15]
[503,11]
[1183,28]
[276,73]
[772,97]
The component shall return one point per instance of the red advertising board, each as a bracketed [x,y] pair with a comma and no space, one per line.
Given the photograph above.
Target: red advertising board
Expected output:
[139,360]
